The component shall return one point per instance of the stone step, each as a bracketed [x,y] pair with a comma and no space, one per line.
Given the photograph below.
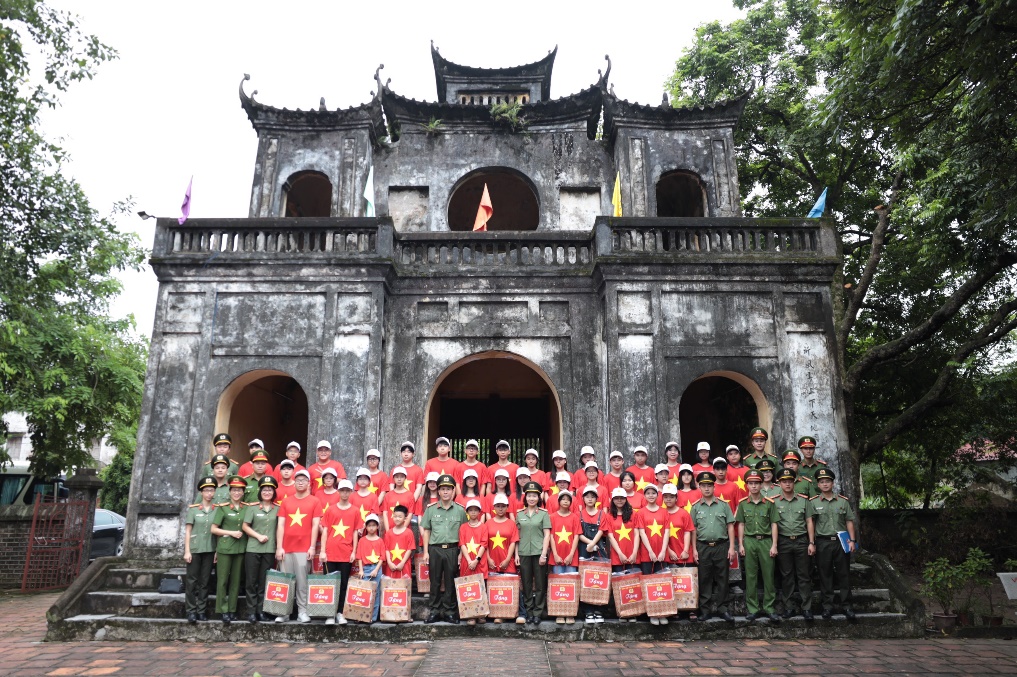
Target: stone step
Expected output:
[85,627]
[141,579]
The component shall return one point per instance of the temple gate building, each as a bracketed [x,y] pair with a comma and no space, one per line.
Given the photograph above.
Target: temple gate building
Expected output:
[561,326]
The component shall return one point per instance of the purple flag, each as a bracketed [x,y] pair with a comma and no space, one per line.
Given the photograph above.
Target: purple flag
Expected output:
[185,208]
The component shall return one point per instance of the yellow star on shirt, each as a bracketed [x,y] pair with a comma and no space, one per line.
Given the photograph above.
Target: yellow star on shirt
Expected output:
[297,518]
[726,500]
[339,529]
[688,507]
[674,480]
[655,529]
[498,541]
[563,535]
[623,533]
[408,484]
[319,481]
[396,553]
[641,484]
[555,490]
[363,513]
[373,489]
[373,558]
[324,509]
[674,531]
[741,483]
[473,547]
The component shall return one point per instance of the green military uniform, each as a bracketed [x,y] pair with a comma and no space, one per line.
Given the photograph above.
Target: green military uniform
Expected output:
[533,576]
[229,557]
[259,557]
[805,470]
[202,548]
[793,549]
[805,486]
[773,491]
[443,550]
[751,461]
[252,494]
[711,520]
[758,538]
[832,515]
[221,497]
[234,468]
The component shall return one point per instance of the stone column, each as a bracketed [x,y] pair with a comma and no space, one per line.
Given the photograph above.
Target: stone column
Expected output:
[84,486]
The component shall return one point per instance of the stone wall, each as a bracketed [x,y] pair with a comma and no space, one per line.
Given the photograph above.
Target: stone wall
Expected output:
[15,527]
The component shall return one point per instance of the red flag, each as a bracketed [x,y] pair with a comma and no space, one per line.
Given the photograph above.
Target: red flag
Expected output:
[484,212]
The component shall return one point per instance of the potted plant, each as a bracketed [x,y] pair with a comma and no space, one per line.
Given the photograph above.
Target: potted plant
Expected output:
[942,581]
[975,568]
[1009,579]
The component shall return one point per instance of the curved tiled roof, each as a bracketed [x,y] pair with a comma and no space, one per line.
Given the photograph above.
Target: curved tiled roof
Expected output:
[720,114]
[538,69]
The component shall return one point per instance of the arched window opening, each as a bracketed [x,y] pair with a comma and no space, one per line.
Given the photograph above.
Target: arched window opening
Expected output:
[720,408]
[308,194]
[681,193]
[512,195]
[266,404]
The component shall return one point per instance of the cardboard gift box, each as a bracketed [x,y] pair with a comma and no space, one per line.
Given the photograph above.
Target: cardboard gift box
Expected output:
[395,599]
[359,605]
[594,582]
[658,591]
[423,574]
[471,595]
[503,595]
[685,581]
[628,595]
[323,595]
[563,595]
[279,593]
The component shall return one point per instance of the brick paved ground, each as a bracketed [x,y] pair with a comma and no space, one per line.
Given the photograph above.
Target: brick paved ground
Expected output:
[23,653]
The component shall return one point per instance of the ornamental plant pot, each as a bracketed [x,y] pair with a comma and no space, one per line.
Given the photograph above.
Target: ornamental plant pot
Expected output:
[965,618]
[992,620]
[944,622]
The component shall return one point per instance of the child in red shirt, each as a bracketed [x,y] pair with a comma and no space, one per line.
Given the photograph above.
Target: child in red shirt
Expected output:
[502,487]
[473,542]
[681,527]
[531,458]
[613,477]
[399,495]
[293,456]
[379,481]
[559,464]
[620,526]
[472,450]
[370,556]
[365,498]
[340,531]
[287,486]
[399,546]
[502,449]
[643,473]
[654,530]
[636,498]
[443,464]
[561,484]
[566,528]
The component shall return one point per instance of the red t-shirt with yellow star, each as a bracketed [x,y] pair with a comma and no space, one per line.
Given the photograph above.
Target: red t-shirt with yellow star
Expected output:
[654,524]
[366,504]
[400,547]
[680,523]
[483,476]
[379,483]
[283,491]
[686,499]
[315,470]
[327,500]
[624,533]
[473,538]
[509,467]
[611,482]
[449,466]
[339,525]
[552,504]
[394,498]
[370,552]
[414,477]
[565,529]
[737,475]
[501,535]
[643,476]
[298,514]
[730,493]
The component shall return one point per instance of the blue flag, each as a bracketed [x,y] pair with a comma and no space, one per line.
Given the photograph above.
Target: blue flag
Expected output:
[817,211]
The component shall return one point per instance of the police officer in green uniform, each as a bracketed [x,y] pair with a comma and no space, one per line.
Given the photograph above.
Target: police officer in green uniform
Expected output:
[220,467]
[768,469]
[795,543]
[227,525]
[810,464]
[803,485]
[260,522]
[222,444]
[439,529]
[534,540]
[757,440]
[715,548]
[259,462]
[199,550]
[757,544]
[832,513]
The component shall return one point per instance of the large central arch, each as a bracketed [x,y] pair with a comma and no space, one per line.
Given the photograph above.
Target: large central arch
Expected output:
[490,396]
[721,407]
[267,404]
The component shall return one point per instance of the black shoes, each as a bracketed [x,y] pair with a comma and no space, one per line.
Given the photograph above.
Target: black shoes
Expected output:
[432,617]
[750,617]
[775,618]
[452,618]
[252,618]
[226,619]
[727,617]
[192,618]
[788,613]
[808,615]
[827,614]
[202,617]
[705,616]
[850,615]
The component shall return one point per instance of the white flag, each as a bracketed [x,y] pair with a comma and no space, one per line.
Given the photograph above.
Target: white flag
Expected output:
[369,193]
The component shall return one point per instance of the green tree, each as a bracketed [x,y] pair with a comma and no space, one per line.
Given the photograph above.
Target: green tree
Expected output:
[894,105]
[74,371]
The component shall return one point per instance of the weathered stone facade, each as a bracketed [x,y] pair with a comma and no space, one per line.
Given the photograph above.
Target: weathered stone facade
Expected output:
[618,316]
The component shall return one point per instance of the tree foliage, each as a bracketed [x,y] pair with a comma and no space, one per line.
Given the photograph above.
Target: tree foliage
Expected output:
[902,109]
[75,372]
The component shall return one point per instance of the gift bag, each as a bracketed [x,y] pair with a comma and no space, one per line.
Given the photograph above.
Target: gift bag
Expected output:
[323,595]
[395,599]
[594,582]
[503,595]
[658,591]
[563,595]
[279,593]
[628,595]
[471,595]
[359,604]
[423,574]
[685,581]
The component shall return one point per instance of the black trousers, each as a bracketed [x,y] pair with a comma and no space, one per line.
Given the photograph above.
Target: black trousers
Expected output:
[793,560]
[834,570]
[713,576]
[344,569]
[199,573]
[533,581]
[443,567]
[256,565]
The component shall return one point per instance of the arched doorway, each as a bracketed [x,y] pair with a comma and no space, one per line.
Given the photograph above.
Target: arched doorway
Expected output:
[721,408]
[307,194]
[681,193]
[266,404]
[491,396]
[512,195]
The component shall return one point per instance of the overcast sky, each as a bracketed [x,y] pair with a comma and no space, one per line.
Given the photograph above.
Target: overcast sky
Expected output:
[168,108]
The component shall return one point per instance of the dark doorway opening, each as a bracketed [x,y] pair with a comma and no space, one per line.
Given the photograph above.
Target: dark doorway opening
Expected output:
[266,405]
[717,410]
[308,194]
[514,201]
[681,193]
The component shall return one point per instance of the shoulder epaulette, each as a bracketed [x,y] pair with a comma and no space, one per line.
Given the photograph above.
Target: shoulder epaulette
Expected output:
[743,500]
[812,498]
[821,461]
[250,503]
[194,505]
[806,478]
[804,496]
[844,497]
[768,498]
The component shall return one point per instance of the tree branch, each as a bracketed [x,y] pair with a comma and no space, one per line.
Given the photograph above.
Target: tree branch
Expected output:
[875,254]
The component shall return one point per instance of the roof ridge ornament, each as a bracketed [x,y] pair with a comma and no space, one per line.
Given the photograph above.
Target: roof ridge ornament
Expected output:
[243,95]
[602,77]
[377,78]
[321,104]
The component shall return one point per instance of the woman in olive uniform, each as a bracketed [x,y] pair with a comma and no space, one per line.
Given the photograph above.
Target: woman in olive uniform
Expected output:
[260,521]
[534,538]
[199,550]
[228,526]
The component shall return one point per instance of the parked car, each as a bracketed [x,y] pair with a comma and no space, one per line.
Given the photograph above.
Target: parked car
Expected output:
[107,534]
[20,487]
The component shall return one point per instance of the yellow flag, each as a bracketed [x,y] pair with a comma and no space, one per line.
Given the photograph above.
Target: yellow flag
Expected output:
[616,198]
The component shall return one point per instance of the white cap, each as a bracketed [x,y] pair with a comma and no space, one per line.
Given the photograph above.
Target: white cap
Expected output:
[703,445]
[473,443]
[591,464]
[330,471]
[615,454]
[474,503]
[345,484]
[531,451]
[501,472]
[363,471]
[500,499]
[685,466]
[586,450]
[471,473]
[591,490]
[562,476]
[432,477]
[294,444]
[405,444]
[653,487]
[287,462]
[372,518]
[503,443]
[618,491]
[638,449]
[442,440]
[670,444]
[522,470]
[399,470]
[256,441]
[558,453]
[661,467]
[732,447]
[373,452]
[303,472]
[669,489]
[564,492]
[324,443]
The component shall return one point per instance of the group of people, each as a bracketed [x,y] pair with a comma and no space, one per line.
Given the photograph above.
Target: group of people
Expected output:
[772,517]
